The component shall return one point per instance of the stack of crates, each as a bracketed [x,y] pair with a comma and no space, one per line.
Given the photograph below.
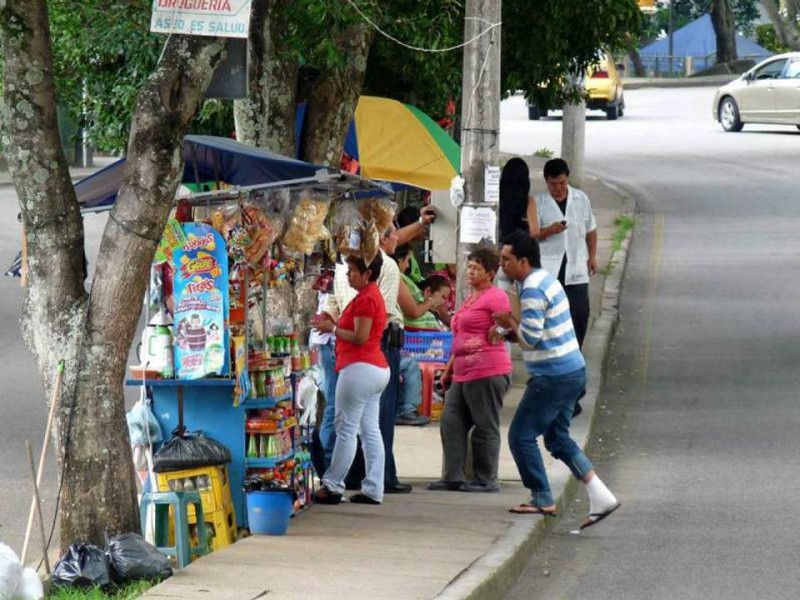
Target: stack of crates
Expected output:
[432,350]
[214,486]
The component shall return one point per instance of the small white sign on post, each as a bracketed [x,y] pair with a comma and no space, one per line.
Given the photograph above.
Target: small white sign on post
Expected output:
[222,18]
[492,185]
[478,224]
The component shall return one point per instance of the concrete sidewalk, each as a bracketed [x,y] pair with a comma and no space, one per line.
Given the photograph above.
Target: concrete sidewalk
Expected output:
[425,544]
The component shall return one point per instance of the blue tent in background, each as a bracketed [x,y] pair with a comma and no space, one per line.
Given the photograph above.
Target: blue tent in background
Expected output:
[698,40]
[206,158]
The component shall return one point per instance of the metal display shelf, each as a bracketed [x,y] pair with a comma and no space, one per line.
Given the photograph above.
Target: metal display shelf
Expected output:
[215,382]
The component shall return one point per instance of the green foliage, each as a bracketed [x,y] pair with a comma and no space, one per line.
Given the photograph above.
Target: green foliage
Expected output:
[623,224]
[686,11]
[766,37]
[107,46]
[544,153]
[425,79]
[126,592]
[544,41]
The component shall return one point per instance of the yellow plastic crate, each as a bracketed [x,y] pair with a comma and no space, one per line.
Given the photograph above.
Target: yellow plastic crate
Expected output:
[213,483]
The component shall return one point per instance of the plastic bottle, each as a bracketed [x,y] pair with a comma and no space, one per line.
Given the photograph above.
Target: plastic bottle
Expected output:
[252,448]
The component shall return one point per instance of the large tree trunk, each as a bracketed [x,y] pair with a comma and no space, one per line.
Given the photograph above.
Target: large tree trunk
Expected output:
[93,333]
[724,21]
[636,59]
[785,23]
[266,117]
[333,99]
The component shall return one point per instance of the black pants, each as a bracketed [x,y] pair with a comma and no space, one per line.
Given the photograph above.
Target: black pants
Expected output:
[578,296]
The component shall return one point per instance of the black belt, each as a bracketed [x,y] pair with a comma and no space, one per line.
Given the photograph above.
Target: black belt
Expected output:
[393,336]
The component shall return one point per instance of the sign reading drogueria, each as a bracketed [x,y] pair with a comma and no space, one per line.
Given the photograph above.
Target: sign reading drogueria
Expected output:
[224,18]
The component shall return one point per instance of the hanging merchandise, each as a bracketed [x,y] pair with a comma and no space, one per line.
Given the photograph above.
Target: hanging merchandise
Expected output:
[370,242]
[261,234]
[380,210]
[201,304]
[306,226]
[172,239]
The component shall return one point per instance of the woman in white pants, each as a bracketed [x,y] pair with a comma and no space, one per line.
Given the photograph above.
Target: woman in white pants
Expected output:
[363,375]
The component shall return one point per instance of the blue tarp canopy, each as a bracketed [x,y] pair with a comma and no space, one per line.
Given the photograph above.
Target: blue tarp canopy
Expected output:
[206,158]
[698,40]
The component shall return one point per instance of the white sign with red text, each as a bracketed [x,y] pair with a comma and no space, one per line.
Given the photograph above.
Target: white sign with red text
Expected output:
[223,18]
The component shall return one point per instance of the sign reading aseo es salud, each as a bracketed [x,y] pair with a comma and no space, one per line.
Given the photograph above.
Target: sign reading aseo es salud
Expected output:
[223,18]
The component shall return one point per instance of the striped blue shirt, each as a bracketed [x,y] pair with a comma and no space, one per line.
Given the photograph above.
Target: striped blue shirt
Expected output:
[546,327]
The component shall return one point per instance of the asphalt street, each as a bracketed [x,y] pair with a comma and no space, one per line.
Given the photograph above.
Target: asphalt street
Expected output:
[697,430]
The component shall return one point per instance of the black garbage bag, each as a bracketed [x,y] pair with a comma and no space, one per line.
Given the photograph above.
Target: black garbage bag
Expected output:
[189,450]
[84,565]
[133,558]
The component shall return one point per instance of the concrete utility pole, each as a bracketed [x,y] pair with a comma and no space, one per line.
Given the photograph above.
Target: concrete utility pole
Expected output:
[573,134]
[480,131]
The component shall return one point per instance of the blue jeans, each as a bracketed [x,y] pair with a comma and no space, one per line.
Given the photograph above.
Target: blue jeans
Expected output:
[410,387]
[546,409]
[358,392]
[327,432]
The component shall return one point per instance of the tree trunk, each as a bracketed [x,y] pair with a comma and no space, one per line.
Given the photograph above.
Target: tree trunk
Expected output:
[93,333]
[636,59]
[266,117]
[573,133]
[786,27]
[334,96]
[724,21]
[55,300]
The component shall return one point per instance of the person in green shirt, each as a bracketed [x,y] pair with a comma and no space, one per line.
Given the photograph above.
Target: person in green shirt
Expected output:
[416,307]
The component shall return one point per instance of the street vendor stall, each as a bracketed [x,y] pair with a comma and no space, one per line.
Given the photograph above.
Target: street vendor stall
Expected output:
[233,287]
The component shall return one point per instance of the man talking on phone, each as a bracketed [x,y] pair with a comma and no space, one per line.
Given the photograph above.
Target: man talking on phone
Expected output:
[568,241]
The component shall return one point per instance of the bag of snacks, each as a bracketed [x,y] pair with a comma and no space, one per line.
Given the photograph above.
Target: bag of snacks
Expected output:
[306,226]
[380,210]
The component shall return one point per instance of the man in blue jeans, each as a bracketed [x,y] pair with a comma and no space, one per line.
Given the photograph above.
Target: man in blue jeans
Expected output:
[558,379]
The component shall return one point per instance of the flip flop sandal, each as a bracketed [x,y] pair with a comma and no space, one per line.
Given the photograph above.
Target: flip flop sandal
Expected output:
[530,509]
[595,518]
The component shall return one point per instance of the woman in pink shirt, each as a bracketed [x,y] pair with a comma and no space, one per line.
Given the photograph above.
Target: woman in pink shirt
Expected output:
[480,371]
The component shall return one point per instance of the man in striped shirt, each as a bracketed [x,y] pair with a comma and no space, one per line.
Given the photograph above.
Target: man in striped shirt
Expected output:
[557,380]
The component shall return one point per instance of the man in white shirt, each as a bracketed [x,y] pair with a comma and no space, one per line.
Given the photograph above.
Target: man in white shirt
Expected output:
[389,285]
[568,239]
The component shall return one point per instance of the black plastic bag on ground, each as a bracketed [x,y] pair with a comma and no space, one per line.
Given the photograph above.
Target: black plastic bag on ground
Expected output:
[132,558]
[83,565]
[185,450]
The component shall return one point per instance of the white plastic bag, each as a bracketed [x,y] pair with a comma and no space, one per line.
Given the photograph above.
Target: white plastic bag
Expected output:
[30,586]
[307,399]
[10,573]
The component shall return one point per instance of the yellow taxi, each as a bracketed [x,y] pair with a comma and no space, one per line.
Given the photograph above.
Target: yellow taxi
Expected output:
[603,91]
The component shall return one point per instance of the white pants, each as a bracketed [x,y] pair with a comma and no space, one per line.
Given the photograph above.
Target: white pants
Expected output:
[358,396]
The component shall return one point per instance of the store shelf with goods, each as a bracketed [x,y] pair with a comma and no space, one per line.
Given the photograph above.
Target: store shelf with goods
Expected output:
[266,402]
[218,382]
[268,463]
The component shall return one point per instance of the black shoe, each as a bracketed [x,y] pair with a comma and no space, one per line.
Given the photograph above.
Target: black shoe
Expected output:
[578,410]
[325,496]
[362,498]
[445,486]
[398,488]
[477,486]
[412,418]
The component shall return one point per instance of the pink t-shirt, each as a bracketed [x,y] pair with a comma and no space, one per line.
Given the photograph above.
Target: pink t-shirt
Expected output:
[475,357]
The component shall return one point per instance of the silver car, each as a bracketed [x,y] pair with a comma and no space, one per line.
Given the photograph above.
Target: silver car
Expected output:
[767,93]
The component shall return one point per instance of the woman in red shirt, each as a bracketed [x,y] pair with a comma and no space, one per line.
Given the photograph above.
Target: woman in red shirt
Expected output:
[363,375]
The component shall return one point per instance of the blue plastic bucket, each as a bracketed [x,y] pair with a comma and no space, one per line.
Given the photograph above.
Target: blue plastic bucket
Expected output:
[268,513]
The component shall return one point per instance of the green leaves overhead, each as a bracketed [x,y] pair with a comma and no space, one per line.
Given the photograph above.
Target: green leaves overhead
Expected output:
[544,41]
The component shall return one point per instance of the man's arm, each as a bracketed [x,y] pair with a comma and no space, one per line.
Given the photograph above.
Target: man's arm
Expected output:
[591,245]
[411,232]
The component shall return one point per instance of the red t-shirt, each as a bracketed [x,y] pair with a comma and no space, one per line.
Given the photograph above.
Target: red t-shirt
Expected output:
[368,304]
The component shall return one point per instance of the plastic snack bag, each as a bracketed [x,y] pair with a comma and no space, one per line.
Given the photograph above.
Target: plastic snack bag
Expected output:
[380,210]
[306,226]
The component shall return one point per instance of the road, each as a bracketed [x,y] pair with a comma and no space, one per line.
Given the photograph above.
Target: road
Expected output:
[23,408]
[697,430]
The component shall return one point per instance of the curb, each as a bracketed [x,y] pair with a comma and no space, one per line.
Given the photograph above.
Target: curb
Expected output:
[495,573]
[683,82]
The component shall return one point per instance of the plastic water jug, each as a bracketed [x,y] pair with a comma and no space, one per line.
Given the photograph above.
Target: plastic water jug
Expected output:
[156,349]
